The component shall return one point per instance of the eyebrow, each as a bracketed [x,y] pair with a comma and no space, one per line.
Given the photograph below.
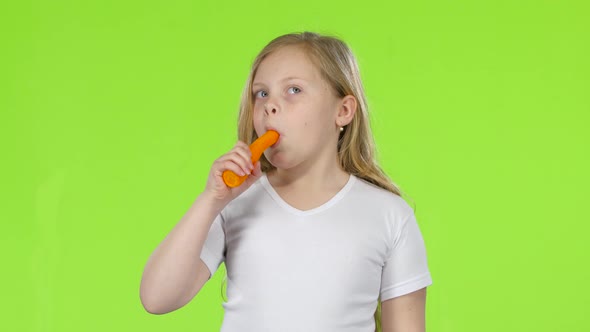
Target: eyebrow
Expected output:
[283,80]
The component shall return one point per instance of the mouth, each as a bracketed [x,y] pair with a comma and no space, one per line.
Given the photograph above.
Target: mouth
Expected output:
[278,140]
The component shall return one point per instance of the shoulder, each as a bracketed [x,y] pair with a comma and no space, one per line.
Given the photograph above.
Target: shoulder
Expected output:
[381,208]
[247,200]
[373,196]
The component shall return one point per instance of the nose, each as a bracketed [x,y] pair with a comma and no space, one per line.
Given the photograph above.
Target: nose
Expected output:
[270,108]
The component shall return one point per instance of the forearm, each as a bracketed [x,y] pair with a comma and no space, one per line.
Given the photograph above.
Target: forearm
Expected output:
[171,270]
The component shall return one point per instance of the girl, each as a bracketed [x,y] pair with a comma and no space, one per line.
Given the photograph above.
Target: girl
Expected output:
[317,238]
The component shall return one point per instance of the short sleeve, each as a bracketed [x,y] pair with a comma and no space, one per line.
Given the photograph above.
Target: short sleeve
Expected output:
[213,253]
[406,268]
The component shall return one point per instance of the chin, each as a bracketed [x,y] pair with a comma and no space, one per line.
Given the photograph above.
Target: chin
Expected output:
[279,162]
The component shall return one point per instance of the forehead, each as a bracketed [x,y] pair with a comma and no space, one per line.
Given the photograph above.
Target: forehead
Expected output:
[288,61]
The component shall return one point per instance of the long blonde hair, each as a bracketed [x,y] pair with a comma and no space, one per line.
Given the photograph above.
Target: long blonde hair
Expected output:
[338,67]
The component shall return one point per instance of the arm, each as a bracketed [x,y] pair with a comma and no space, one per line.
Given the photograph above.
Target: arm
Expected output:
[404,313]
[172,275]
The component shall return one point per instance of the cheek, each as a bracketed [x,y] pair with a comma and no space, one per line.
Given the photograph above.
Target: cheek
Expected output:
[256,116]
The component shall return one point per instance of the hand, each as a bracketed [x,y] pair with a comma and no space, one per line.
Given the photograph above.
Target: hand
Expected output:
[238,160]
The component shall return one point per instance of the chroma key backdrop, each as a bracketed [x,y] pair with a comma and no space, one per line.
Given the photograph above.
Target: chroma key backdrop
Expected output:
[112,112]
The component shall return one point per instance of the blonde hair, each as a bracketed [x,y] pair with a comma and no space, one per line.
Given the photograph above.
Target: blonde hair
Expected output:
[338,67]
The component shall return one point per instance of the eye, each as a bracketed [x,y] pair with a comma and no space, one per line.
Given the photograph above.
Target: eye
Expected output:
[260,94]
[294,89]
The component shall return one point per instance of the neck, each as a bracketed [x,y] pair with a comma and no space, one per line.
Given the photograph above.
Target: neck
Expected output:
[316,175]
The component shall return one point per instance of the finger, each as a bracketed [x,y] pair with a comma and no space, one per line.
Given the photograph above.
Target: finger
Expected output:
[246,158]
[257,169]
[239,159]
[245,147]
[232,166]
[234,154]
[242,144]
[256,174]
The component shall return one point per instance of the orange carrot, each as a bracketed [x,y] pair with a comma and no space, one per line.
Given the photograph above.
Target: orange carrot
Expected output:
[257,148]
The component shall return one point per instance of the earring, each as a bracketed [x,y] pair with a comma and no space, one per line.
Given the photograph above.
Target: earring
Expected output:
[341,128]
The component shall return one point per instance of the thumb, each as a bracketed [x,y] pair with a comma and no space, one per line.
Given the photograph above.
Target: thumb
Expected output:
[256,173]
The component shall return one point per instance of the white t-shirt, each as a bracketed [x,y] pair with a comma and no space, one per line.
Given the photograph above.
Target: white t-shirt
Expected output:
[316,270]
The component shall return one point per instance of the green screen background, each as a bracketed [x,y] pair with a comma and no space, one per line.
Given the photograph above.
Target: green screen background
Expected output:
[113,111]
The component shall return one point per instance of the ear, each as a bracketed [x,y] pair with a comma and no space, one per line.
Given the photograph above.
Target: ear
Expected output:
[346,110]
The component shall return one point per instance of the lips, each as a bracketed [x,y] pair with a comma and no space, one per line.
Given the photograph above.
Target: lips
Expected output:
[270,128]
[279,140]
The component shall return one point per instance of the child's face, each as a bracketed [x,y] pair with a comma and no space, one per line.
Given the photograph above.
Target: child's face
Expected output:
[291,97]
